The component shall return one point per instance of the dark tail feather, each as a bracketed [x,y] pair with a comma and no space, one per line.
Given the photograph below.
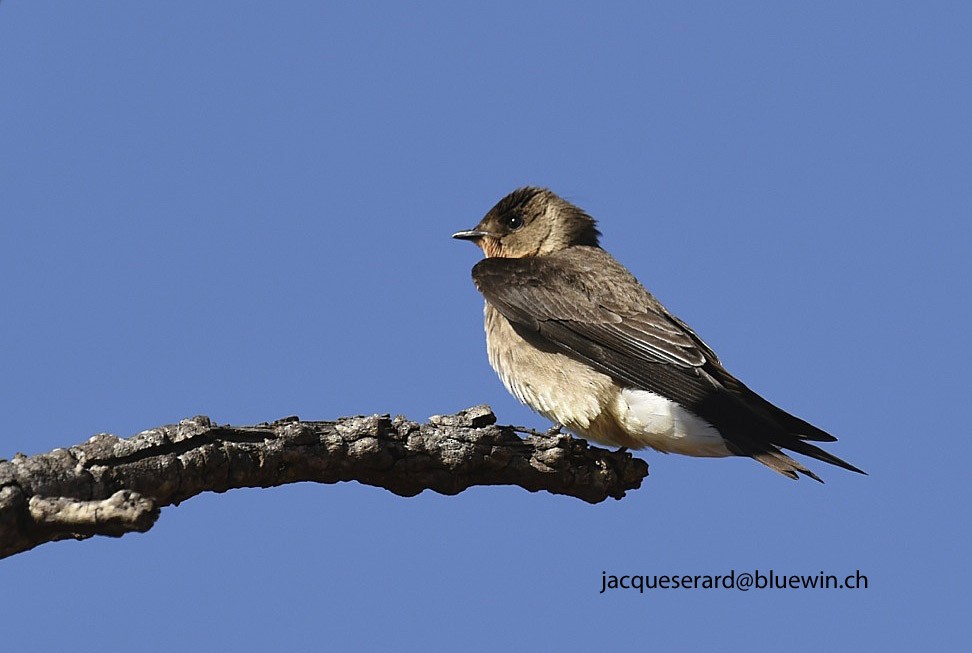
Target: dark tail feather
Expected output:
[803,430]
[791,423]
[816,452]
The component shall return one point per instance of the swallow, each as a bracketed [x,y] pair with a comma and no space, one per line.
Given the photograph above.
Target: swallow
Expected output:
[574,335]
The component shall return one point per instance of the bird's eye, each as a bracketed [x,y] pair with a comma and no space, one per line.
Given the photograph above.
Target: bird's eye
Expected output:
[513,222]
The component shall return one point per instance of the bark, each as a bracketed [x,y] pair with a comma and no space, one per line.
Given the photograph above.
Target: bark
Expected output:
[112,486]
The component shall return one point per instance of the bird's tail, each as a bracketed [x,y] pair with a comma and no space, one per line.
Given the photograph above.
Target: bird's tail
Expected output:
[781,430]
[778,461]
[807,449]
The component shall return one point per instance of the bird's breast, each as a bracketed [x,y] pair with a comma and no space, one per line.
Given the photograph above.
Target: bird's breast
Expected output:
[555,385]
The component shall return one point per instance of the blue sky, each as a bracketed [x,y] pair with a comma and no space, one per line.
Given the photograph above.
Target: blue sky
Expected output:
[243,210]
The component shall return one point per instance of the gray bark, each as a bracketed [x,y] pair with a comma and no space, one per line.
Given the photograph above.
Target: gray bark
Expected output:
[112,486]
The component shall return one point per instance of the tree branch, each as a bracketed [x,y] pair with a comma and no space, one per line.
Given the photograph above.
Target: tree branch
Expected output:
[112,486]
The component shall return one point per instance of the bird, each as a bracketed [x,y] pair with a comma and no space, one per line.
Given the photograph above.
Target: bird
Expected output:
[575,336]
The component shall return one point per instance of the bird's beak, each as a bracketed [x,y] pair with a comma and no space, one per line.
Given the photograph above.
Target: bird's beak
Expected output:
[470,234]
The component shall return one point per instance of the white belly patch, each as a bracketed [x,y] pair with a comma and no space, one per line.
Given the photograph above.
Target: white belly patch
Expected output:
[666,426]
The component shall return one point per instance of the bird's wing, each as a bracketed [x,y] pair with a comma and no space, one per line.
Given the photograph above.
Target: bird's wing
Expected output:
[587,303]
[584,301]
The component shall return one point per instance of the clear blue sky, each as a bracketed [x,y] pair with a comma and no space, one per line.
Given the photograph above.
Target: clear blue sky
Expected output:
[243,210]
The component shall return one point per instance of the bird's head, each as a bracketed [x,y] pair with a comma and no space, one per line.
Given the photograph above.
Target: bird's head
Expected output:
[531,222]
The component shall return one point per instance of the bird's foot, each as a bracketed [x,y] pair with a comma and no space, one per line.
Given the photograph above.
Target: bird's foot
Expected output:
[526,430]
[552,432]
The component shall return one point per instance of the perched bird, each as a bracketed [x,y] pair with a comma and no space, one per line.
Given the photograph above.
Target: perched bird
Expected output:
[572,334]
